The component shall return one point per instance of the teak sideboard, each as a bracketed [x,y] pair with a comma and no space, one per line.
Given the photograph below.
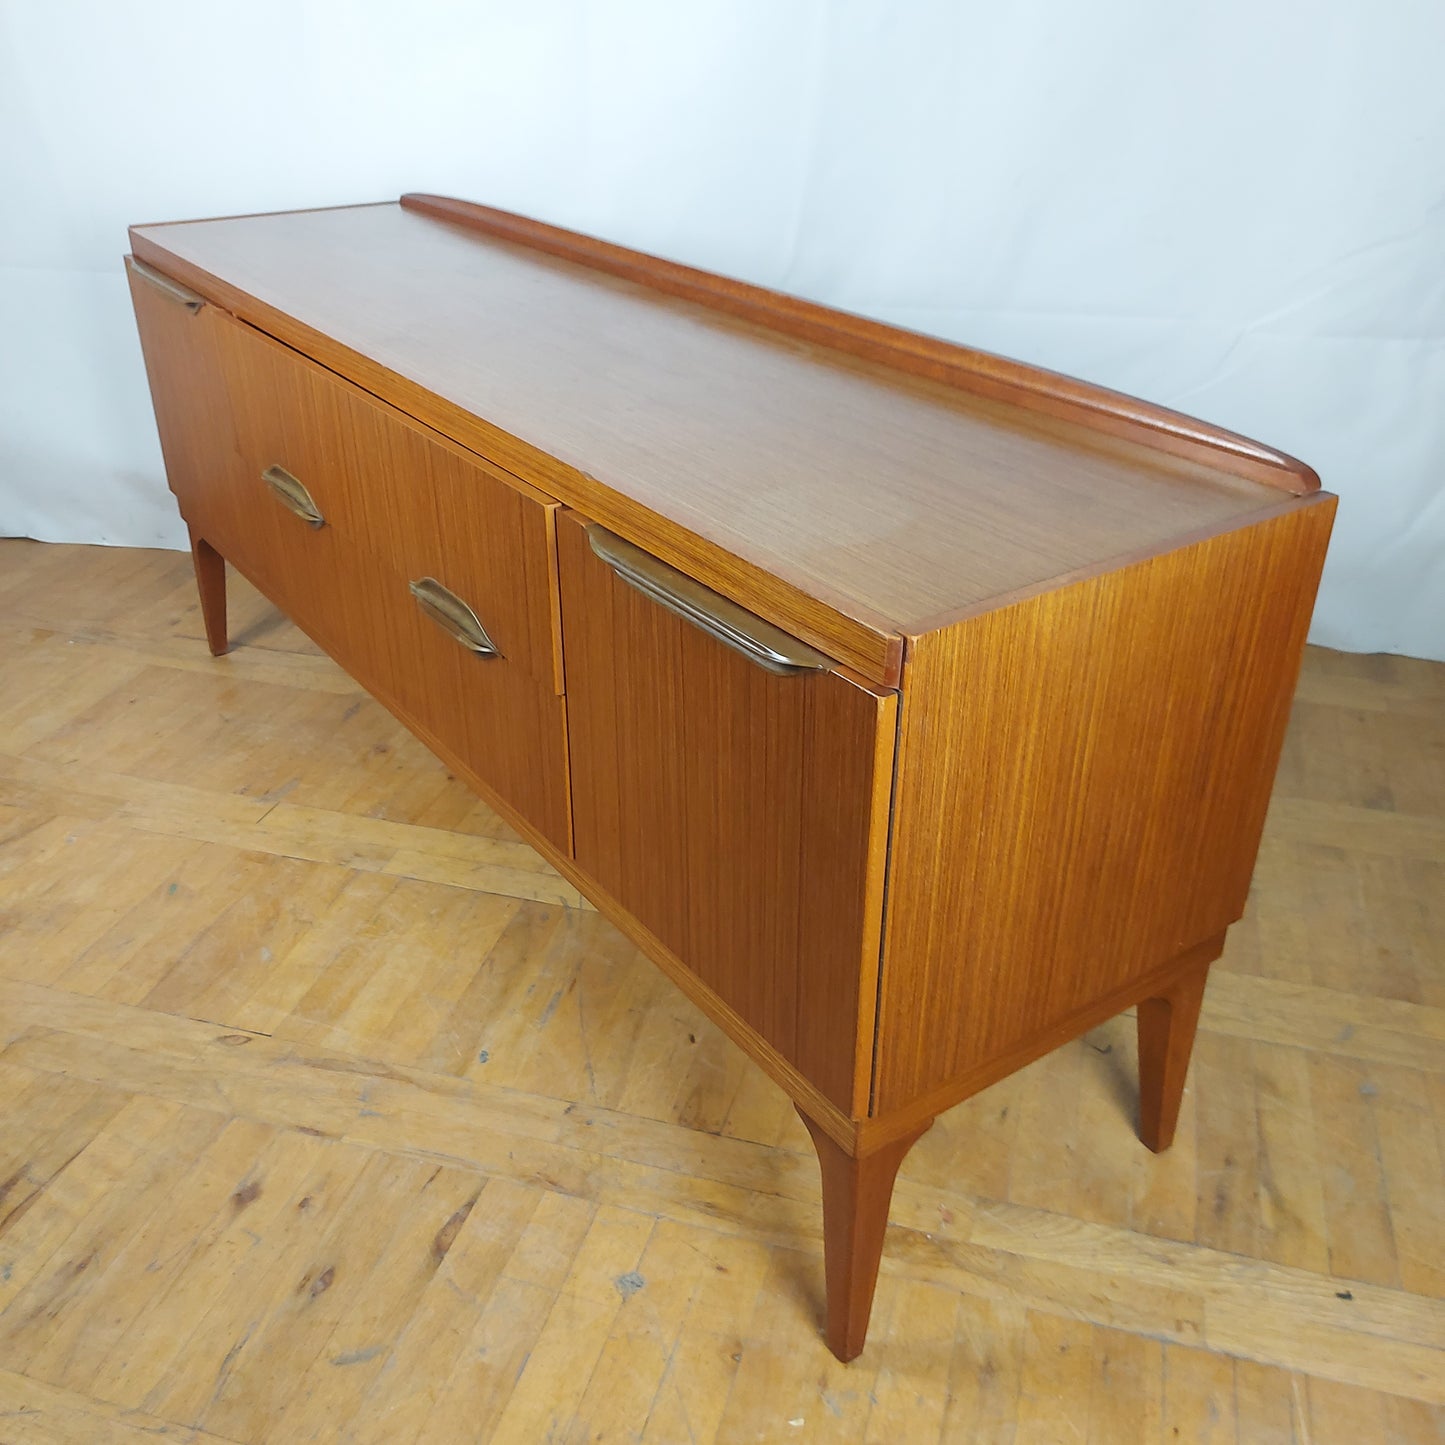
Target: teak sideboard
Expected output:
[913,709]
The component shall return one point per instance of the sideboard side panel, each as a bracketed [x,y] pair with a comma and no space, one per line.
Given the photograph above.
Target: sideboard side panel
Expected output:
[1082,783]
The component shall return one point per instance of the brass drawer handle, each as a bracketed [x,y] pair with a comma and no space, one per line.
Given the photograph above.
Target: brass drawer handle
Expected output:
[293,496]
[453,616]
[735,627]
[173,289]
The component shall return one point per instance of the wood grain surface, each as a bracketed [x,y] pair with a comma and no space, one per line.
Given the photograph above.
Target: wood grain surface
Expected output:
[1082,780]
[741,817]
[1167,1021]
[398,505]
[857,1190]
[197,422]
[1099,609]
[233,402]
[845,499]
[967,369]
[237,402]
[210,569]
[256,947]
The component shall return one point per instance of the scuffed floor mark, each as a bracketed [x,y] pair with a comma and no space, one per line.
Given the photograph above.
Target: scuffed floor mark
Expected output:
[628,1284]
[10,1183]
[546,1015]
[276,794]
[248,1193]
[315,1287]
[359,1357]
[446,1236]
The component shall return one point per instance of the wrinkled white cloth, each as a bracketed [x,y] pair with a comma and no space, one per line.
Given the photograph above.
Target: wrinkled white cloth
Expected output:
[1237,209]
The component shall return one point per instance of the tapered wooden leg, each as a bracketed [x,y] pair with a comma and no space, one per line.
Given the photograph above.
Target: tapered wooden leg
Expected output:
[856,1194]
[1166,1037]
[211,584]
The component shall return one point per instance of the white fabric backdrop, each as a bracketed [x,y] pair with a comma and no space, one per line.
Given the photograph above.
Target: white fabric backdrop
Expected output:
[1235,209]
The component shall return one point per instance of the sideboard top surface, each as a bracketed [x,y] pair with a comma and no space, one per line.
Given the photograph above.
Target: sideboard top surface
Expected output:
[894,498]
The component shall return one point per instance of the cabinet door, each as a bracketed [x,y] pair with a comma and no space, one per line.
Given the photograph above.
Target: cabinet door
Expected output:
[739,814]
[186,342]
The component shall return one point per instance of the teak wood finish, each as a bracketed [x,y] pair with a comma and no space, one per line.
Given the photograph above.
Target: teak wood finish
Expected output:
[398,505]
[1014,780]
[743,816]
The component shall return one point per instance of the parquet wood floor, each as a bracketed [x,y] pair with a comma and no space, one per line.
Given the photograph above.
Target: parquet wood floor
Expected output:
[327,1112]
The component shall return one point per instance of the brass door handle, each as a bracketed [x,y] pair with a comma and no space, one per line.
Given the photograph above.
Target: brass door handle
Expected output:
[173,289]
[293,496]
[720,617]
[453,616]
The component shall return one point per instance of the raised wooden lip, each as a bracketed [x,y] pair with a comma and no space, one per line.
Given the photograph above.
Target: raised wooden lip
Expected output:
[981,373]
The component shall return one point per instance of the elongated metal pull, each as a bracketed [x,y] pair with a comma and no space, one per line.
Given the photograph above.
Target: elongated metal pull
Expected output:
[173,289]
[293,496]
[453,616]
[760,642]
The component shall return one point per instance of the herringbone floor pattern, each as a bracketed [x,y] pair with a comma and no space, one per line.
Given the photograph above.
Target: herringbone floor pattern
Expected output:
[327,1113]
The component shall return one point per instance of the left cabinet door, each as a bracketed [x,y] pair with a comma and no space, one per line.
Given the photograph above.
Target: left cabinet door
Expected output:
[185,340]
[426,573]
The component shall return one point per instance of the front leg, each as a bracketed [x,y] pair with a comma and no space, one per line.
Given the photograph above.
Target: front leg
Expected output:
[857,1190]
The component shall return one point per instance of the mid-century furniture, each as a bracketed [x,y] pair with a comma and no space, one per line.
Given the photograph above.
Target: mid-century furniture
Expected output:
[915,710]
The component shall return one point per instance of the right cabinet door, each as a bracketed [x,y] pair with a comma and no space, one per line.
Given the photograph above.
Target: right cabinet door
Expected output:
[739,814]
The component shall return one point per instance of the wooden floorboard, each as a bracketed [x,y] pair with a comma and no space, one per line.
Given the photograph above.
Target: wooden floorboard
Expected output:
[328,1112]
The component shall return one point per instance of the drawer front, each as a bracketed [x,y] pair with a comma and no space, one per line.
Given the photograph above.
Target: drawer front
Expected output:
[416,502]
[397,506]
[740,815]
[487,718]
[233,404]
